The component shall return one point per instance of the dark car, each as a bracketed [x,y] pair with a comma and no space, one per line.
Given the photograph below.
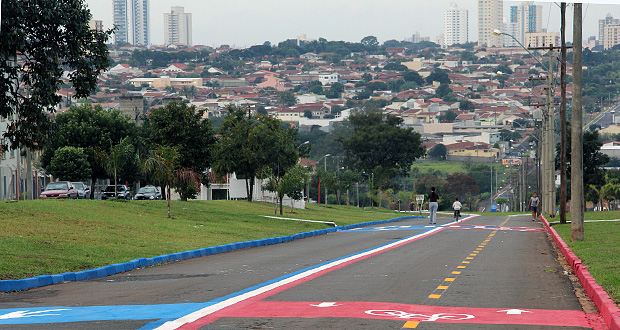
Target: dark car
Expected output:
[59,190]
[149,193]
[83,190]
[121,189]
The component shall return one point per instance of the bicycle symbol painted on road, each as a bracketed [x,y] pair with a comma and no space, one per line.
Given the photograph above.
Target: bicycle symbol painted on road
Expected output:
[420,317]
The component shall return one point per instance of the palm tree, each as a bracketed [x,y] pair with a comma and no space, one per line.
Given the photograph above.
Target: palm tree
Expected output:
[115,159]
[161,164]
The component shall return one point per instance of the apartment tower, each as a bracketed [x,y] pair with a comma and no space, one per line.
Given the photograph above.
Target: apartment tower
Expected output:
[455,26]
[604,23]
[131,18]
[178,27]
[528,19]
[490,18]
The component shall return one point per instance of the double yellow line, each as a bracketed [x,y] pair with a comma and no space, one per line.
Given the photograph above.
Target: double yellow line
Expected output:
[436,294]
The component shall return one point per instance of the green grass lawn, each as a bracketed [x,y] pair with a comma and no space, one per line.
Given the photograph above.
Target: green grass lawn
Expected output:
[600,251]
[57,236]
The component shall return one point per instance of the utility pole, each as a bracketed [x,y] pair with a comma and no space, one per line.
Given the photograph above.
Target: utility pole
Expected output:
[577,207]
[563,117]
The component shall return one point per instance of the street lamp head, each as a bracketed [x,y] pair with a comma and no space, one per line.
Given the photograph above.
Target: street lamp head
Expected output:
[327,155]
[499,73]
[497,32]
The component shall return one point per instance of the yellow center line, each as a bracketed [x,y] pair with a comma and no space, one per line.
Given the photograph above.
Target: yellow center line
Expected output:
[442,287]
[461,266]
[435,296]
[456,272]
[411,325]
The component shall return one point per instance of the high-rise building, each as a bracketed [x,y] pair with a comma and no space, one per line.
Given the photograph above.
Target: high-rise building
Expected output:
[455,26]
[611,36]
[602,23]
[140,22]
[490,18]
[528,19]
[178,27]
[131,18]
[121,21]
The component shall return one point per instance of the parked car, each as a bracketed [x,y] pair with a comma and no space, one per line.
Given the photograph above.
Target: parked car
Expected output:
[149,193]
[121,189]
[59,190]
[83,190]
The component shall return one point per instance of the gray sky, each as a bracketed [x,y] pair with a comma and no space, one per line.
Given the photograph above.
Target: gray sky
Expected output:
[244,23]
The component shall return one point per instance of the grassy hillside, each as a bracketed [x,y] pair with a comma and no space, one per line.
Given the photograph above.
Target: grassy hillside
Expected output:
[56,236]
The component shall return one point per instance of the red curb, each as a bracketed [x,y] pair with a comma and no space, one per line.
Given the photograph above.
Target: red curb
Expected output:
[606,306]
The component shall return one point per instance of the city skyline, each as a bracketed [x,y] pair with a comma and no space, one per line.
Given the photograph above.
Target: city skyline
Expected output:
[243,23]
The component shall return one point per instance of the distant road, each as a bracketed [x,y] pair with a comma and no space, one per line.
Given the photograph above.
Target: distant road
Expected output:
[483,273]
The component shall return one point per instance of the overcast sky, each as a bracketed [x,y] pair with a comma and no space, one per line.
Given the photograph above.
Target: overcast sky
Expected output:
[243,23]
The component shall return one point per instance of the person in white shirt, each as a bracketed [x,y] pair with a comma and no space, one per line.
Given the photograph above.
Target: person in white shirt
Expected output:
[457,209]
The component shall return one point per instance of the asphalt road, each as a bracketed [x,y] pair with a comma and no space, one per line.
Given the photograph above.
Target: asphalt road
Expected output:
[482,273]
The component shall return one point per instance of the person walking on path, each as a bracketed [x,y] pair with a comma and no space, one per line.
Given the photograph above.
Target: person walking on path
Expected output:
[533,205]
[457,209]
[432,206]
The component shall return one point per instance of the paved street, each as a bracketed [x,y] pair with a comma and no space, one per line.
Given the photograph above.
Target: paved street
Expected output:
[482,273]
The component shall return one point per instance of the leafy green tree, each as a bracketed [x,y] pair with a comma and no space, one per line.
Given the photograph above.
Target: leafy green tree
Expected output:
[438,75]
[49,38]
[182,127]
[593,159]
[315,87]
[293,184]
[70,164]
[287,99]
[466,105]
[439,151]
[255,147]
[91,129]
[379,145]
[334,91]
[370,41]
[412,76]
[448,116]
[308,114]
[443,90]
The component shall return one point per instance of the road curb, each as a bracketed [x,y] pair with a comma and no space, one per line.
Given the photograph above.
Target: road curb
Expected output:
[606,307]
[44,280]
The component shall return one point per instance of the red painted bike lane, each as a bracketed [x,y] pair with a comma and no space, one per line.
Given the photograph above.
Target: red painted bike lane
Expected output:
[420,313]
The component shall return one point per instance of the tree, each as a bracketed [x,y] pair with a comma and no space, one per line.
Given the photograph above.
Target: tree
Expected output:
[287,99]
[254,147]
[70,164]
[439,151]
[370,41]
[49,38]
[412,76]
[448,116]
[182,127]
[114,159]
[308,113]
[91,129]
[466,105]
[593,159]
[443,90]
[438,75]
[334,91]
[379,145]
[161,163]
[293,184]
[501,201]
